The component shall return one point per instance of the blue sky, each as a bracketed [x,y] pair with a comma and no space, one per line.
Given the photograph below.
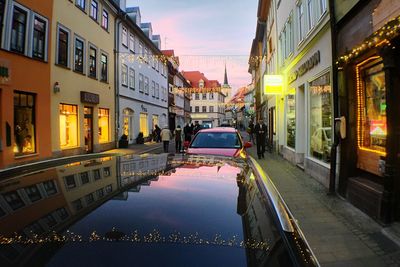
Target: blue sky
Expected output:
[205,34]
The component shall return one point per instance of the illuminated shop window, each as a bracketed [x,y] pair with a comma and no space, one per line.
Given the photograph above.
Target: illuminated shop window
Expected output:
[291,120]
[144,127]
[374,112]
[24,124]
[68,125]
[128,123]
[104,118]
[155,121]
[321,118]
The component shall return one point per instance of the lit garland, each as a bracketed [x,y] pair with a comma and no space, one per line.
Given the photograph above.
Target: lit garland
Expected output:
[379,38]
[153,237]
[360,107]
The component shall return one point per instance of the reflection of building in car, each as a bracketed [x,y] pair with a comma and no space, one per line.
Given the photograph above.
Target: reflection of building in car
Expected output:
[321,143]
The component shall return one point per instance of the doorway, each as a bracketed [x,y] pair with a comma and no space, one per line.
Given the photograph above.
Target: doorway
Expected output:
[88,129]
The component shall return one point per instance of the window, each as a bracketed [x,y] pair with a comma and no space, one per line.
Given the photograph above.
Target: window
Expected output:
[153,88]
[92,62]
[204,109]
[140,49]
[79,55]
[211,96]
[131,43]
[211,108]
[106,171]
[322,6]
[96,174]
[84,178]
[81,4]
[50,187]
[145,54]
[49,220]
[157,91]
[310,14]
[18,30]
[24,124]
[144,127]
[197,96]
[124,75]
[94,9]
[191,109]
[320,118]
[104,68]
[124,37]
[13,200]
[33,193]
[62,213]
[70,181]
[77,204]
[104,121]
[89,198]
[63,47]
[291,120]
[100,193]
[201,83]
[300,11]
[2,8]
[373,119]
[196,109]
[68,126]
[39,38]
[104,20]
[141,83]
[146,85]
[204,96]
[108,189]
[131,78]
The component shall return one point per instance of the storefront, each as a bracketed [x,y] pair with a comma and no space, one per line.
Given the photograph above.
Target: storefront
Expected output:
[369,100]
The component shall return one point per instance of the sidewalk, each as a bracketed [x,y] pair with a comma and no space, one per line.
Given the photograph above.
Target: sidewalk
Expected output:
[339,233]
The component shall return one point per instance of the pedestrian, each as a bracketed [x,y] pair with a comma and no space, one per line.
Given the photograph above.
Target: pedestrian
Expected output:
[187,130]
[157,131]
[251,132]
[178,139]
[261,131]
[196,128]
[165,137]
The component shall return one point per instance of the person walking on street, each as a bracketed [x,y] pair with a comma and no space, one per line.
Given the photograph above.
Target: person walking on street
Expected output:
[261,131]
[188,132]
[165,137]
[196,128]
[157,131]
[251,132]
[178,139]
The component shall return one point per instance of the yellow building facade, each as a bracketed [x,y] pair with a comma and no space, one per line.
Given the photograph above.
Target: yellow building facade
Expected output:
[82,77]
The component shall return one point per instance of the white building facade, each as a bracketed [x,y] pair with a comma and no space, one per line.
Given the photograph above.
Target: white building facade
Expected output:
[142,78]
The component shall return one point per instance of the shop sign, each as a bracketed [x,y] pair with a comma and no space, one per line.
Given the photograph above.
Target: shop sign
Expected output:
[305,67]
[90,98]
[273,84]
[144,109]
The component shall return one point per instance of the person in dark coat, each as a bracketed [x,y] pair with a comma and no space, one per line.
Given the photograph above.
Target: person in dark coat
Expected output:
[251,132]
[178,139]
[260,131]
[196,128]
[157,130]
[187,132]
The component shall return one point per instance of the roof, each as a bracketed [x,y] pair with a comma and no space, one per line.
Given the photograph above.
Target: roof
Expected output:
[168,53]
[195,76]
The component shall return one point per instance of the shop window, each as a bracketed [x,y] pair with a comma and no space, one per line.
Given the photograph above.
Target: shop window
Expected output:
[68,126]
[24,124]
[18,30]
[291,121]
[128,123]
[144,126]
[374,129]
[39,38]
[104,119]
[321,118]
[155,121]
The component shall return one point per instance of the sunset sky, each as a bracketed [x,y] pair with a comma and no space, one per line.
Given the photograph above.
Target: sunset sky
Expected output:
[205,34]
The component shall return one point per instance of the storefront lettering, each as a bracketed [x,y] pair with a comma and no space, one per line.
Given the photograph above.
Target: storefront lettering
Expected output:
[90,98]
[143,108]
[306,66]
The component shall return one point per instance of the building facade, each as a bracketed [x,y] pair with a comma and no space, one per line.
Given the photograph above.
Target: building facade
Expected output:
[368,56]
[25,60]
[82,77]
[142,77]
[208,101]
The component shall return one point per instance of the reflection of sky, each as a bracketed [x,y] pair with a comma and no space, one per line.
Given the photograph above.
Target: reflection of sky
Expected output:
[222,28]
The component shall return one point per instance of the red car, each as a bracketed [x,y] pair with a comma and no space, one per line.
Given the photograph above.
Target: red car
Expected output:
[224,141]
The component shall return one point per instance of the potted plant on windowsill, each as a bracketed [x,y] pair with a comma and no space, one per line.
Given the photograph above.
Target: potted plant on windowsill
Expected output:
[123,141]
[140,139]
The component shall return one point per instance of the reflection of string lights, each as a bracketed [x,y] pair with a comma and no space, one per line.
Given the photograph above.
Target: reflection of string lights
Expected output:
[360,107]
[153,237]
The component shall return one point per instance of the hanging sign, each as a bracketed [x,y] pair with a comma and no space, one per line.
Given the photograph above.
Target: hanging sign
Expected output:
[273,84]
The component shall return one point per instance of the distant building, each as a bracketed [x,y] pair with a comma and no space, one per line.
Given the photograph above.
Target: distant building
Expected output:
[208,101]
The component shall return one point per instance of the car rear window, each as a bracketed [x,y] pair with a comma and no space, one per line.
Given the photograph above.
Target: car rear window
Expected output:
[216,140]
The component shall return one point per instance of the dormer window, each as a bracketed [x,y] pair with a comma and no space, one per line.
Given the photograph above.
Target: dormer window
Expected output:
[201,84]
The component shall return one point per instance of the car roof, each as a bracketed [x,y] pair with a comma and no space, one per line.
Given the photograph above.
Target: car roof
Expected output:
[219,130]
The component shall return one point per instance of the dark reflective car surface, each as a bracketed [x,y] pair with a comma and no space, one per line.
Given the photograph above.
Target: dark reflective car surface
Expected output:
[148,210]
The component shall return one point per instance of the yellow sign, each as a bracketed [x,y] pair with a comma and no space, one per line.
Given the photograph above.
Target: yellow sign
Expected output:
[273,84]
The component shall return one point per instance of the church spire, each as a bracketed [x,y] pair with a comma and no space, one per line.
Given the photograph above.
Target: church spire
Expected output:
[225,77]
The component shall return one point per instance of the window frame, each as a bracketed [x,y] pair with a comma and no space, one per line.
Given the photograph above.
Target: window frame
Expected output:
[46,36]
[80,39]
[131,42]
[90,48]
[26,28]
[96,17]
[124,75]
[68,46]
[79,3]
[131,78]
[141,83]
[124,36]
[103,25]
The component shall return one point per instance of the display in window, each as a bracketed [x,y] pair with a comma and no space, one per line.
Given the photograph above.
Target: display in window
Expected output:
[104,119]
[374,128]
[291,121]
[68,126]
[321,118]
[24,124]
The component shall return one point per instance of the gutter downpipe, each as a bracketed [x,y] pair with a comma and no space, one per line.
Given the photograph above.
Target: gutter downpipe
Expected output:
[332,176]
[116,77]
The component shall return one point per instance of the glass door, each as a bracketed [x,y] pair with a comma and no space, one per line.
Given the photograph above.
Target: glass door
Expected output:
[88,129]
